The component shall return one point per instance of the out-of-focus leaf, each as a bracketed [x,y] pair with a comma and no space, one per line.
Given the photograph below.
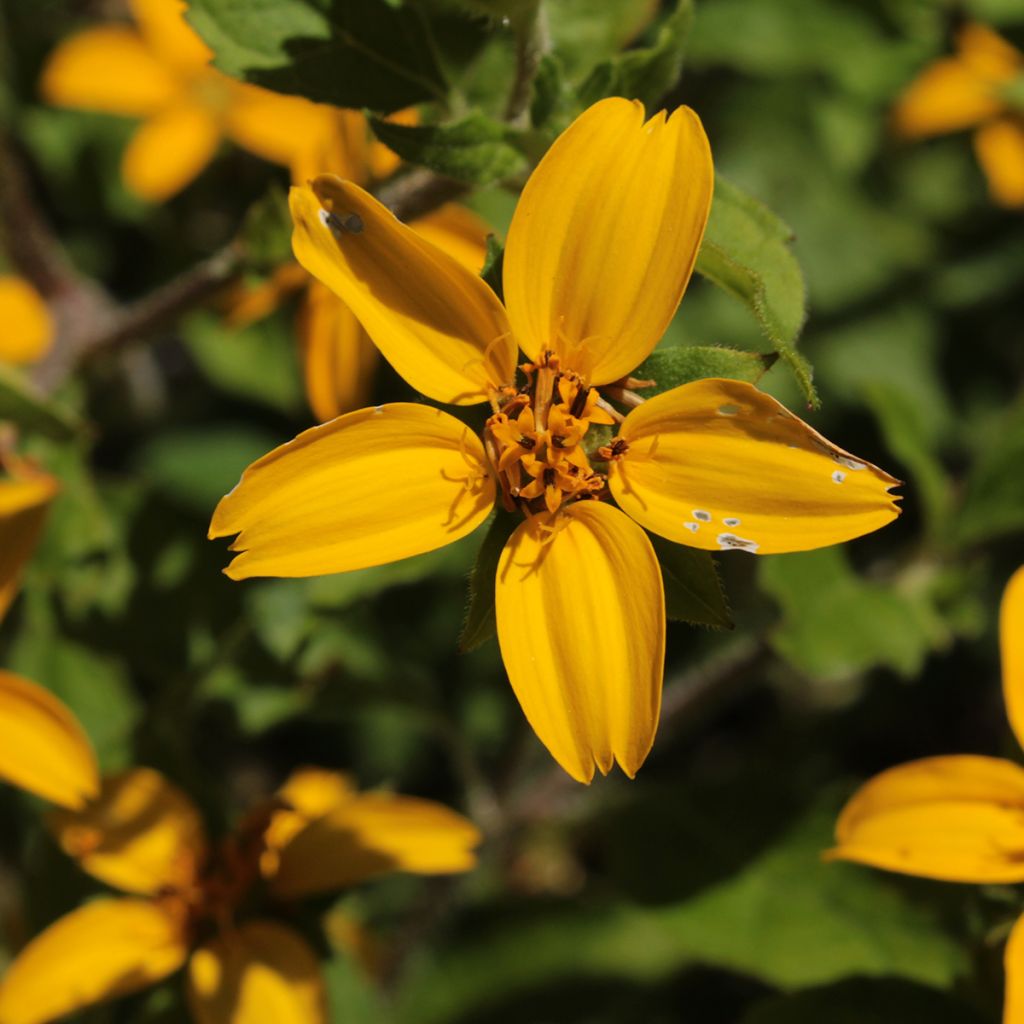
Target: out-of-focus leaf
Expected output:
[22,404]
[788,919]
[670,367]
[993,504]
[584,33]
[266,235]
[644,74]
[549,91]
[860,1000]
[475,150]
[258,362]
[257,707]
[197,467]
[359,53]
[746,251]
[693,590]
[835,624]
[481,624]
[493,264]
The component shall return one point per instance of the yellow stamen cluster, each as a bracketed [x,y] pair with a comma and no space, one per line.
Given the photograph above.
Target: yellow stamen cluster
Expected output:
[535,439]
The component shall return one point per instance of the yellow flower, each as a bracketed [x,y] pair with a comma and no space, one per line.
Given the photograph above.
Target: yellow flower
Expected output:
[25,498]
[966,91]
[139,833]
[339,360]
[26,327]
[161,73]
[599,252]
[958,818]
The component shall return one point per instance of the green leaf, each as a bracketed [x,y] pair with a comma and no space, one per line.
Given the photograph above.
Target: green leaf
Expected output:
[360,53]
[22,404]
[644,74]
[480,624]
[259,362]
[994,500]
[836,625]
[584,32]
[746,251]
[549,92]
[670,367]
[474,150]
[693,590]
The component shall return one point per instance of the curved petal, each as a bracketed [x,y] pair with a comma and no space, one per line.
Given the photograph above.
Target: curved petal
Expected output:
[1011,645]
[338,357]
[947,96]
[719,465]
[24,502]
[436,322]
[110,69]
[272,125]
[988,54]
[168,34]
[369,487]
[371,834]
[258,972]
[999,147]
[169,150]
[605,237]
[142,834]
[958,818]
[1013,964]
[581,623]
[309,793]
[103,950]
[43,749]
[27,328]
[458,231]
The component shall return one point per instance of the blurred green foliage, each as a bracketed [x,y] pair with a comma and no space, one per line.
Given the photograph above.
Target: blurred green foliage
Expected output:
[696,892]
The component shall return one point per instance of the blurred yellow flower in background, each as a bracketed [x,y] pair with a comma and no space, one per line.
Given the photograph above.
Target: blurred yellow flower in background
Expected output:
[957,818]
[25,497]
[600,250]
[161,72]
[967,91]
[26,327]
[139,833]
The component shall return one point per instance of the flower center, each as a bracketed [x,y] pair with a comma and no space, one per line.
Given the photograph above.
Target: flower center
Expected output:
[537,439]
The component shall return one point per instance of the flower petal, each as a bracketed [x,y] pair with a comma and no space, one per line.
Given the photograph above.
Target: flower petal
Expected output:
[718,465]
[169,150]
[43,749]
[999,147]
[338,357]
[342,147]
[946,97]
[142,834]
[245,304]
[371,834]
[169,35]
[309,793]
[258,972]
[109,69]
[369,487]
[581,623]
[103,950]
[27,326]
[458,231]
[272,125]
[958,818]
[435,321]
[24,501]
[605,237]
[1013,964]
[1011,644]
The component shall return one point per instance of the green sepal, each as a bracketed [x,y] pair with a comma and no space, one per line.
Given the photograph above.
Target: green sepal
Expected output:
[671,367]
[693,590]
[481,623]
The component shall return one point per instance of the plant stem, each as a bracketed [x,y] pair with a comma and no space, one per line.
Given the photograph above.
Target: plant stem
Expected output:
[532,42]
